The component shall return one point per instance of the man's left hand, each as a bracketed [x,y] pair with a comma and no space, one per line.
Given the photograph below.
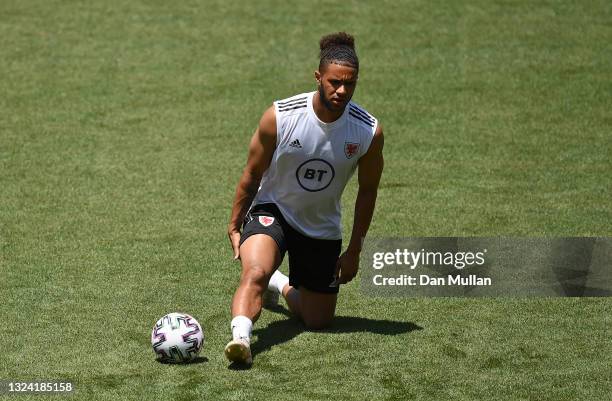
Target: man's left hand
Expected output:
[347,266]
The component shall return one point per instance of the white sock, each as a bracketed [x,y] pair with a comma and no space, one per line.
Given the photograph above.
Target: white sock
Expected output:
[241,328]
[278,281]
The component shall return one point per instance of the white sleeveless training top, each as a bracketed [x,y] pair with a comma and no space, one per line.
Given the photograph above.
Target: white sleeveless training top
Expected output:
[312,163]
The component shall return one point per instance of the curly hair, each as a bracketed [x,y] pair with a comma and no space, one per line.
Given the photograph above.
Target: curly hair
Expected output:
[338,48]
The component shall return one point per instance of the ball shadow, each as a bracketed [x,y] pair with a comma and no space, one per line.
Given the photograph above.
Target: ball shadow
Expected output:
[194,361]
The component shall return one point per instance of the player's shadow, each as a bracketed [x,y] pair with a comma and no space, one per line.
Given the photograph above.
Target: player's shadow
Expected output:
[284,330]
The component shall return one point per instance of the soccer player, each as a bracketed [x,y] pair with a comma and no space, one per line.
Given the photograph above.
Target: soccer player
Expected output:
[288,198]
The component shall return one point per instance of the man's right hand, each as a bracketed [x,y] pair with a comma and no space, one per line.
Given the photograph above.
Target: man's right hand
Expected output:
[234,237]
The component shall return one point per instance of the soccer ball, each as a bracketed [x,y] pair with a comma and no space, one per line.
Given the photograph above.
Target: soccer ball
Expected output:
[177,338]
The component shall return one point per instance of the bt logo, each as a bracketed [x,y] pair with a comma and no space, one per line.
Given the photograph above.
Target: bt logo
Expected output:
[315,175]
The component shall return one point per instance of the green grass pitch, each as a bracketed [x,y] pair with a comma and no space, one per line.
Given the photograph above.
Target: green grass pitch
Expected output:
[123,131]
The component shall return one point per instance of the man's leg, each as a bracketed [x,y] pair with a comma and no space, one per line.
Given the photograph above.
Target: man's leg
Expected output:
[315,309]
[260,257]
[312,265]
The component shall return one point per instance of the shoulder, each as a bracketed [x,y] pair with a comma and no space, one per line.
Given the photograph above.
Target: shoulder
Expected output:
[378,141]
[267,124]
[373,157]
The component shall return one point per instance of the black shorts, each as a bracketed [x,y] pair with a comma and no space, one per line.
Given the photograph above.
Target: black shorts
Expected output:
[312,262]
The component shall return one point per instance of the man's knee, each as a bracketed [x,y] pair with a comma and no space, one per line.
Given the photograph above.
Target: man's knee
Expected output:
[317,322]
[317,310]
[255,275]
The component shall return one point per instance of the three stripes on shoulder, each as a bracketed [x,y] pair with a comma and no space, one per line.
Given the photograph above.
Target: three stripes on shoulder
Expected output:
[361,115]
[292,104]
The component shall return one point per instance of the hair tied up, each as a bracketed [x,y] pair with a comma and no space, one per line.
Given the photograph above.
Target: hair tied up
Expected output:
[337,39]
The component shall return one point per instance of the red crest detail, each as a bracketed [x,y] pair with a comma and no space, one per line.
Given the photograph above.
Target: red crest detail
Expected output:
[266,220]
[350,149]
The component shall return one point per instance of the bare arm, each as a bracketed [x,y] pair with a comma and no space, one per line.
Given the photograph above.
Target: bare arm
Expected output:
[260,154]
[369,173]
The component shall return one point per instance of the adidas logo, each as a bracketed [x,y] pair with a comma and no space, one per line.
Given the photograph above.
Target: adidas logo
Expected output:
[296,144]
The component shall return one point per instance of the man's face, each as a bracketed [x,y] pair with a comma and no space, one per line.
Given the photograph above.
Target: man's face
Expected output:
[336,85]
